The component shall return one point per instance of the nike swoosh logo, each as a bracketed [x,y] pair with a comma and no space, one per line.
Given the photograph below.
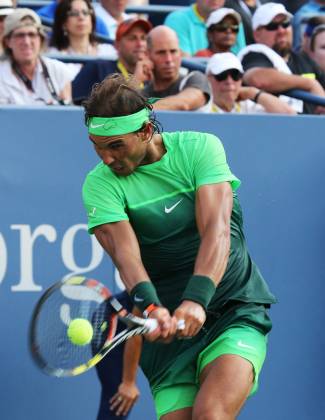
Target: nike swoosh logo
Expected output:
[92,212]
[137,299]
[246,346]
[96,125]
[170,209]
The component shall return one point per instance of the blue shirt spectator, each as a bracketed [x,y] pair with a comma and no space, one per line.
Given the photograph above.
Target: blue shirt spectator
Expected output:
[48,12]
[190,27]
[308,10]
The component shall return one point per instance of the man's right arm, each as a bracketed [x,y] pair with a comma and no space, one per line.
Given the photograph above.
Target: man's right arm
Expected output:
[274,81]
[120,242]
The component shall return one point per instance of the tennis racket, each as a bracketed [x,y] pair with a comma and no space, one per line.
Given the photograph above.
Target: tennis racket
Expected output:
[93,303]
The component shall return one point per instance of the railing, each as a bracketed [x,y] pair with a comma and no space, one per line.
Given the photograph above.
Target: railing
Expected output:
[195,64]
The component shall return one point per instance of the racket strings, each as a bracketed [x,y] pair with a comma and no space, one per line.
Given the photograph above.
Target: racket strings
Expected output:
[52,346]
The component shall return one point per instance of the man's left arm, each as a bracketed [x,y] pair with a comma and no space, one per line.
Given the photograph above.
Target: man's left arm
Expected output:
[187,100]
[194,93]
[213,212]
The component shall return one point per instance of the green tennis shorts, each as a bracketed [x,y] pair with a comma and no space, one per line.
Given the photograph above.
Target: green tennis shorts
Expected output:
[244,341]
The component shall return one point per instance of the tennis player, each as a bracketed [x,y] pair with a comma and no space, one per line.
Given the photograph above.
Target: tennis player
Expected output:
[164,207]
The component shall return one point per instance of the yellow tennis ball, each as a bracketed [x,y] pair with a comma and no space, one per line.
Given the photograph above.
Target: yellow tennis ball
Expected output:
[80,331]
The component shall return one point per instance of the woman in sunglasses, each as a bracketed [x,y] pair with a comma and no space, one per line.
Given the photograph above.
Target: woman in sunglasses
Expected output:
[225,74]
[222,29]
[74,32]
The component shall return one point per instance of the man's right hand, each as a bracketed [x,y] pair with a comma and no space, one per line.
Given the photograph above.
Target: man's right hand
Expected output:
[167,326]
[143,70]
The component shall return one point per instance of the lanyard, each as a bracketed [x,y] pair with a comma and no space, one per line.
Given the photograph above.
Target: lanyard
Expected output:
[196,11]
[28,83]
[123,70]
[50,85]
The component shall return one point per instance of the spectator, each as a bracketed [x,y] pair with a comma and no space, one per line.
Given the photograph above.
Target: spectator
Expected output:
[119,390]
[271,65]
[131,47]
[317,46]
[73,33]
[311,25]
[222,28]
[185,93]
[6,8]
[246,9]
[48,12]
[112,12]
[27,78]
[309,9]
[189,24]
[225,74]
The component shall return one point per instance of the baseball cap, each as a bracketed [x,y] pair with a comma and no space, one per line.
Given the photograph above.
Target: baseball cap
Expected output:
[219,14]
[16,20]
[125,26]
[6,7]
[221,62]
[265,13]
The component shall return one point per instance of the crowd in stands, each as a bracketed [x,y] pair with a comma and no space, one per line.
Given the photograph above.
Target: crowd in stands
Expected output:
[254,51]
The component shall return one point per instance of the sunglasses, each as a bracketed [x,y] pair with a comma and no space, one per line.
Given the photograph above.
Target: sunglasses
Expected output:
[274,26]
[223,27]
[77,13]
[233,73]
[22,35]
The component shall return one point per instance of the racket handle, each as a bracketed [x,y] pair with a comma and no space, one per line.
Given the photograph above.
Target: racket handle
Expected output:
[152,324]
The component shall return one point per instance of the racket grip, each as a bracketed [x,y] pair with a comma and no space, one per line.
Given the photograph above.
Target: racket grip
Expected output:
[152,324]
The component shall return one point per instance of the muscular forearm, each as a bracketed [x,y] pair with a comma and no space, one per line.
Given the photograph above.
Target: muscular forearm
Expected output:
[213,254]
[214,228]
[120,243]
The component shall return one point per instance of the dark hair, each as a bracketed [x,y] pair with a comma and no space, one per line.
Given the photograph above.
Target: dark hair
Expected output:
[59,39]
[317,30]
[116,96]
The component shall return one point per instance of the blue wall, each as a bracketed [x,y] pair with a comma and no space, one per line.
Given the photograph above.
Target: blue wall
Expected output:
[44,157]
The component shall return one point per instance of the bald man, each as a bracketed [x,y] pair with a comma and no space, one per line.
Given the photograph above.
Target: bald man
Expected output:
[177,92]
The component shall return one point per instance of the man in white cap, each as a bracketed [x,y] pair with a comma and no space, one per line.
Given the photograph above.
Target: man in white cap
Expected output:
[26,78]
[225,74]
[271,65]
[222,29]
[6,8]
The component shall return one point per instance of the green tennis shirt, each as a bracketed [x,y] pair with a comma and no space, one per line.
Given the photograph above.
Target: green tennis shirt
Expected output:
[159,201]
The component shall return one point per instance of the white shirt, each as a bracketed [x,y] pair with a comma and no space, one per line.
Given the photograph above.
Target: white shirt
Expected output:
[243,107]
[110,22]
[13,90]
